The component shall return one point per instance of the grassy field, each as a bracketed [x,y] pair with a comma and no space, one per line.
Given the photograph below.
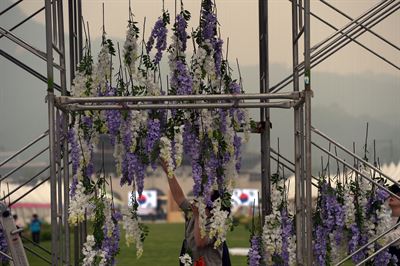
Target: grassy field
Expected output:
[161,247]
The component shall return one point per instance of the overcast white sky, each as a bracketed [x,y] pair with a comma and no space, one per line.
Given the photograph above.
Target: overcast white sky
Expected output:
[239,22]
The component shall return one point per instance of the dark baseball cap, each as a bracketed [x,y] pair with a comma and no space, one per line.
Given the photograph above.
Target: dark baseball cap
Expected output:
[394,189]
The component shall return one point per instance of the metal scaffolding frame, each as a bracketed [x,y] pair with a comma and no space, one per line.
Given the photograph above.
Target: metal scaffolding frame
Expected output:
[268,97]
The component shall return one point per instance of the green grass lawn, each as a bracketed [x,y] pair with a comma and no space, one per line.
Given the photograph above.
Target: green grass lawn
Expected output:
[161,247]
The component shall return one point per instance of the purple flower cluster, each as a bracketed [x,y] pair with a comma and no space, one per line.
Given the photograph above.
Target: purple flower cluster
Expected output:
[210,168]
[75,151]
[209,21]
[222,119]
[217,45]
[320,245]
[181,79]
[110,243]
[153,134]
[132,167]
[72,189]
[191,147]
[209,32]
[129,168]
[140,173]
[3,246]
[158,33]
[87,122]
[383,257]
[254,256]
[180,30]
[287,232]
[235,88]
[354,243]
[237,143]
[381,195]
[191,142]
[197,172]
[113,118]
[332,216]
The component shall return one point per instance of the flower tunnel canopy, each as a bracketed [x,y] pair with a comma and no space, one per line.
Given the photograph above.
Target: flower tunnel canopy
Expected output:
[200,114]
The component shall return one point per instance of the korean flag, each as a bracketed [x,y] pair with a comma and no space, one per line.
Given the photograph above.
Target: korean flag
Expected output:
[245,197]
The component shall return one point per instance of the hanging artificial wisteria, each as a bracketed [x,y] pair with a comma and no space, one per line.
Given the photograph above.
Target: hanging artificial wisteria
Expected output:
[278,237]
[141,137]
[347,214]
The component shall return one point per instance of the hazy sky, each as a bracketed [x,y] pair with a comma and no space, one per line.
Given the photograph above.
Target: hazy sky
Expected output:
[239,22]
[357,88]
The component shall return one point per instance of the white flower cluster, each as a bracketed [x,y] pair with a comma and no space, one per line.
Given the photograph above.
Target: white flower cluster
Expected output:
[108,223]
[133,233]
[175,50]
[272,235]
[166,155]
[102,70]
[149,82]
[186,260]
[206,124]
[131,49]
[219,225]
[363,198]
[229,135]
[246,126]
[336,252]
[209,63]
[292,251]
[197,68]
[231,173]
[137,121]
[79,84]
[90,253]
[86,154]
[178,146]
[349,208]
[201,206]
[384,216]
[118,155]
[272,230]
[79,205]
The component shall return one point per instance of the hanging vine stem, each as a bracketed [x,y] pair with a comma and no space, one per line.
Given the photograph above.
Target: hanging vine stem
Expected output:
[278,161]
[130,15]
[193,41]
[90,43]
[143,42]
[375,153]
[226,57]
[366,144]
[160,77]
[120,72]
[104,27]
[240,74]
[337,166]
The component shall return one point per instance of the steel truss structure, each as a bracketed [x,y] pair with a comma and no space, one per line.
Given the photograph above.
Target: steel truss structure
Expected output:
[59,102]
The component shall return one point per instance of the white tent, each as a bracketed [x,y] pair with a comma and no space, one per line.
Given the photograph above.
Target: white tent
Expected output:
[392,170]
[36,202]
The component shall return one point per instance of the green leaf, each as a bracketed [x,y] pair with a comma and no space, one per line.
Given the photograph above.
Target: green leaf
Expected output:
[110,45]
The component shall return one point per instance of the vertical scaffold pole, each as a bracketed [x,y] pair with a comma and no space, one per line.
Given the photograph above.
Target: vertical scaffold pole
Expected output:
[264,112]
[50,100]
[298,142]
[307,106]
[65,164]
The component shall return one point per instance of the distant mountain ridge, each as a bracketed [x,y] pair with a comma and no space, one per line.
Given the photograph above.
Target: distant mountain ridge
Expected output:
[342,104]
